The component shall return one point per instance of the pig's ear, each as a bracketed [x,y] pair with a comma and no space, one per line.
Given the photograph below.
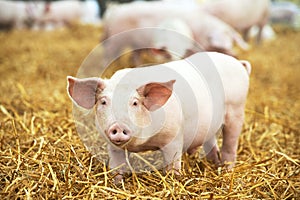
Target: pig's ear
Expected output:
[83,91]
[156,94]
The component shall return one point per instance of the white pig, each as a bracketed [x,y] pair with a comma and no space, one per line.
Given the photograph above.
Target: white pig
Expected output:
[16,14]
[168,37]
[173,107]
[241,14]
[208,31]
[60,13]
[285,13]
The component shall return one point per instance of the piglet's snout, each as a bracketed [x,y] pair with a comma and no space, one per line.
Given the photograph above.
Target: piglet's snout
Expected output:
[118,134]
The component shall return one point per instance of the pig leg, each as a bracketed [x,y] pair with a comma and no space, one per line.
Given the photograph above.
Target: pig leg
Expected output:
[261,25]
[172,153]
[232,129]
[259,35]
[19,24]
[116,159]
[212,151]
[245,34]
[260,32]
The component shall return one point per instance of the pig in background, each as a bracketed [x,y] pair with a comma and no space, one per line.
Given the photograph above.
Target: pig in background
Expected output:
[171,107]
[18,14]
[165,39]
[45,15]
[170,40]
[285,13]
[207,31]
[241,14]
[59,14]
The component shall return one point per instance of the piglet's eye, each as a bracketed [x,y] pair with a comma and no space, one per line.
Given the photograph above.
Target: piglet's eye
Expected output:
[103,102]
[135,103]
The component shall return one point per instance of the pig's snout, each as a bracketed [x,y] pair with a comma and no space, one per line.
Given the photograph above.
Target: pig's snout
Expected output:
[118,134]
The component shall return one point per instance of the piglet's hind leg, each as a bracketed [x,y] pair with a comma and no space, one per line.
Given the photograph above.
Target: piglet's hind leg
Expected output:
[233,126]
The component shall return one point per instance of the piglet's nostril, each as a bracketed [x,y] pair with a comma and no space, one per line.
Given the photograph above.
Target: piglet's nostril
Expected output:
[114,132]
[124,132]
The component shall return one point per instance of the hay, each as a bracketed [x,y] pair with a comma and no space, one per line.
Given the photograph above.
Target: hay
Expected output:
[42,157]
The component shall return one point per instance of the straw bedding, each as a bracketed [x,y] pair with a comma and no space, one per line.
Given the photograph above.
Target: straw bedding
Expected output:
[42,156]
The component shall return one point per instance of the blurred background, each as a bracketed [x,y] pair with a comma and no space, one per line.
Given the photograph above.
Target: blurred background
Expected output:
[38,15]
[210,25]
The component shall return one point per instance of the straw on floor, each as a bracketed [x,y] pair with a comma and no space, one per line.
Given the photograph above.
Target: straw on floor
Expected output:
[42,156]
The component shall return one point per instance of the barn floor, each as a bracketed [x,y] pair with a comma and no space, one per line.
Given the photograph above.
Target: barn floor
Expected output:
[42,156]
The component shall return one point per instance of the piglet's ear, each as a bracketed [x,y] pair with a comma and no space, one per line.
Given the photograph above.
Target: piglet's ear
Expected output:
[83,91]
[156,94]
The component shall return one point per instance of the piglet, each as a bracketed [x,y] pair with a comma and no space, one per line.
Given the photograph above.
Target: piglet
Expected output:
[173,107]
[241,14]
[59,14]
[285,13]
[208,32]
[17,14]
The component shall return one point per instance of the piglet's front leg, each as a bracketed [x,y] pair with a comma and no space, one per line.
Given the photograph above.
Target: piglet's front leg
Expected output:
[117,159]
[172,153]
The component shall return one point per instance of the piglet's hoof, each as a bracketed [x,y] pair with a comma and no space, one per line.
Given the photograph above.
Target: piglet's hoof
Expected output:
[118,179]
